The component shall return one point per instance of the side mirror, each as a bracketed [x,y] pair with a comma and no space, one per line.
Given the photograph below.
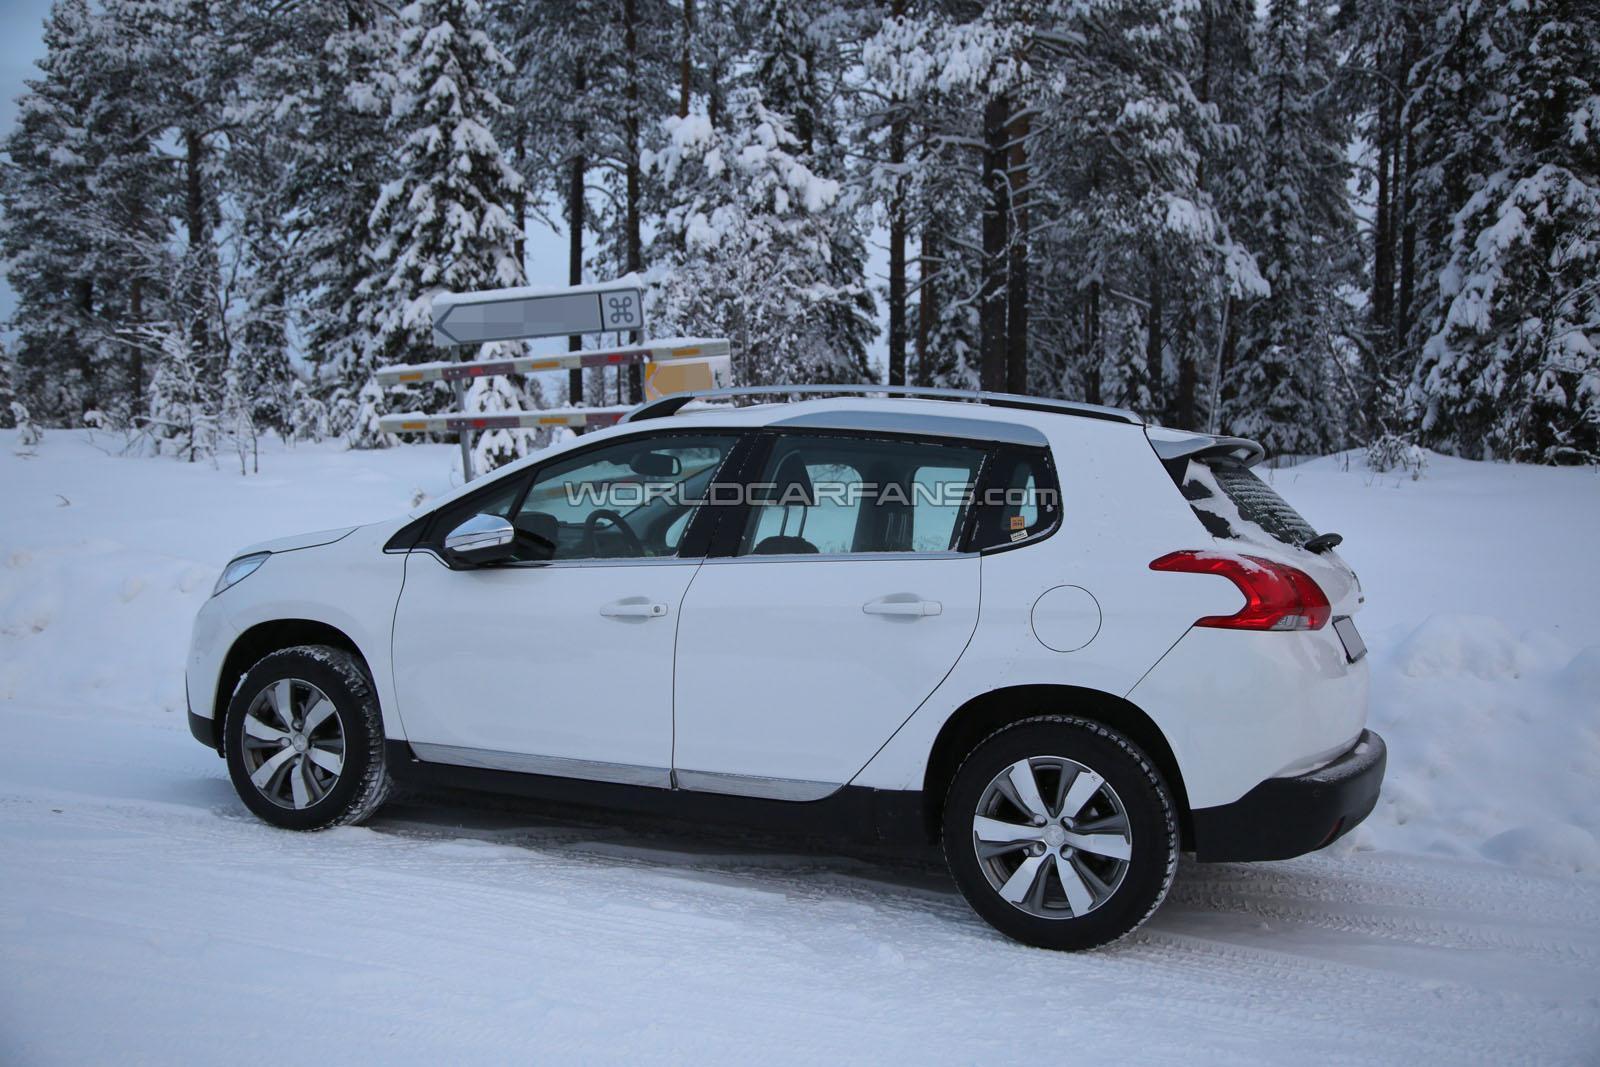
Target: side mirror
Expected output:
[537,531]
[656,465]
[481,539]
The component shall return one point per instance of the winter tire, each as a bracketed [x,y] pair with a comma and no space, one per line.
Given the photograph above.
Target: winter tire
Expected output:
[1060,833]
[304,740]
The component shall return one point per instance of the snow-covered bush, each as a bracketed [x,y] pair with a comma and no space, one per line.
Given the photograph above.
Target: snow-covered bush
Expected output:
[1391,452]
[27,432]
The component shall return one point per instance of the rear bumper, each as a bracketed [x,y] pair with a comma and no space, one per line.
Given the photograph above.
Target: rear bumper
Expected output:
[1286,817]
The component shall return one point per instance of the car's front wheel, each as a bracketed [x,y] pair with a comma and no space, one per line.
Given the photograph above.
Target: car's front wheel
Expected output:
[304,740]
[1061,833]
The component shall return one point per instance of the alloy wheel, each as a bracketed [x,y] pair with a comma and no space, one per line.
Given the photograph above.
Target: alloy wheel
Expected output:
[293,743]
[1052,837]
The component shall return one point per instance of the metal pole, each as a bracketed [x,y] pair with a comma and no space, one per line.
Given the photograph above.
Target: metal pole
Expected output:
[465,436]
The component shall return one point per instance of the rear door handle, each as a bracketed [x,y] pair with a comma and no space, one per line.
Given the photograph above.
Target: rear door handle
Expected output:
[912,608]
[633,609]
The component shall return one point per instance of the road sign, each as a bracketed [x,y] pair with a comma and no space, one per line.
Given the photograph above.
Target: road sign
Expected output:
[455,422]
[655,352]
[530,311]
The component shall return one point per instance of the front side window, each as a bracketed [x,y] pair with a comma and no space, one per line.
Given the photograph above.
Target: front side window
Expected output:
[842,495]
[633,499]
[630,500]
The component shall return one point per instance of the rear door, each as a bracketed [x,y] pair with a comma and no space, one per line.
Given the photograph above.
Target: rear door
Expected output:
[833,604]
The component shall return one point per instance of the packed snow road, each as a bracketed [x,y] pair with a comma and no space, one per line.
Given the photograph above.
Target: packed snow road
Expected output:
[146,916]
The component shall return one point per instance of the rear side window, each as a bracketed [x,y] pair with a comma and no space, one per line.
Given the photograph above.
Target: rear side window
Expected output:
[828,495]
[1231,501]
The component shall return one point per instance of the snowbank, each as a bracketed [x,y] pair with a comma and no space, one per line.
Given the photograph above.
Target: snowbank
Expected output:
[1485,652]
[1481,620]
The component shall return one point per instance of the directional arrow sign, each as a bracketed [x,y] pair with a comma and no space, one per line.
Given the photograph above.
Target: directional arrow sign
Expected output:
[511,314]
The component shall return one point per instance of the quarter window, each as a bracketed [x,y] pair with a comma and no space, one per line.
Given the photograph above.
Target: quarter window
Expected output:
[1020,499]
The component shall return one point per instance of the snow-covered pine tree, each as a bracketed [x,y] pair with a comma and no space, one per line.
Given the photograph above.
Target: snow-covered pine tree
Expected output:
[186,64]
[1286,195]
[761,239]
[1457,120]
[263,268]
[917,125]
[184,399]
[445,223]
[1513,369]
[45,191]
[561,100]
[1129,228]
[765,246]
[328,79]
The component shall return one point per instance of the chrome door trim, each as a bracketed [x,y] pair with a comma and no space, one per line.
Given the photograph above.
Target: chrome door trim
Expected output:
[555,766]
[754,785]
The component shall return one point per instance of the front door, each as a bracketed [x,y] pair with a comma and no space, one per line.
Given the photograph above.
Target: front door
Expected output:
[844,603]
[563,666]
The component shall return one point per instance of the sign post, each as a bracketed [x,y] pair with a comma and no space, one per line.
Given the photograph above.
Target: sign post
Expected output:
[461,319]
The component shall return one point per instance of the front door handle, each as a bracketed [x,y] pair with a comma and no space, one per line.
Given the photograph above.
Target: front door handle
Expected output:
[633,608]
[903,606]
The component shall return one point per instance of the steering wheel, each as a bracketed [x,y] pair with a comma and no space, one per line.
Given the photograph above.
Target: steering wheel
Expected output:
[591,527]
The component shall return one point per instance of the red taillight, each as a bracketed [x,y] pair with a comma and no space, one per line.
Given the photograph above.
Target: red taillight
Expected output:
[1277,596]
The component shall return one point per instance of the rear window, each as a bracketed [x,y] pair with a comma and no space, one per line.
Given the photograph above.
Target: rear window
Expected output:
[1232,502]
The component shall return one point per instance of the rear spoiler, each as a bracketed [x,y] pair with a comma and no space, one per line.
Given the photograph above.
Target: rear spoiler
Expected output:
[1176,447]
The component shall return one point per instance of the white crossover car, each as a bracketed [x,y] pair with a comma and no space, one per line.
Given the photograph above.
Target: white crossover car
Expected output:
[1061,643]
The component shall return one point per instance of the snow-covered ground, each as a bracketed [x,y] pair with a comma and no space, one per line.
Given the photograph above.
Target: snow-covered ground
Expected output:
[145,916]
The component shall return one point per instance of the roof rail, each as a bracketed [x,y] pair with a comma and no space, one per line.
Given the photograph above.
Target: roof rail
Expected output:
[669,405]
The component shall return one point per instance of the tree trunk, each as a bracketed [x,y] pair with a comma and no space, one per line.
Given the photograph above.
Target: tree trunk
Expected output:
[1185,408]
[1405,224]
[996,239]
[83,298]
[1227,353]
[630,122]
[1155,341]
[897,242]
[522,200]
[1091,345]
[927,302]
[1382,270]
[575,222]
[1017,269]
[686,61]
[715,101]
[135,350]
[194,208]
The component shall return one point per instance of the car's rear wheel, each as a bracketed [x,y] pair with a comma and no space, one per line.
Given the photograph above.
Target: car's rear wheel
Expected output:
[1061,833]
[304,740]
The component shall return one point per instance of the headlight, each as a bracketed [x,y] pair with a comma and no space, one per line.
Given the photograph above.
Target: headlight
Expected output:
[239,570]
